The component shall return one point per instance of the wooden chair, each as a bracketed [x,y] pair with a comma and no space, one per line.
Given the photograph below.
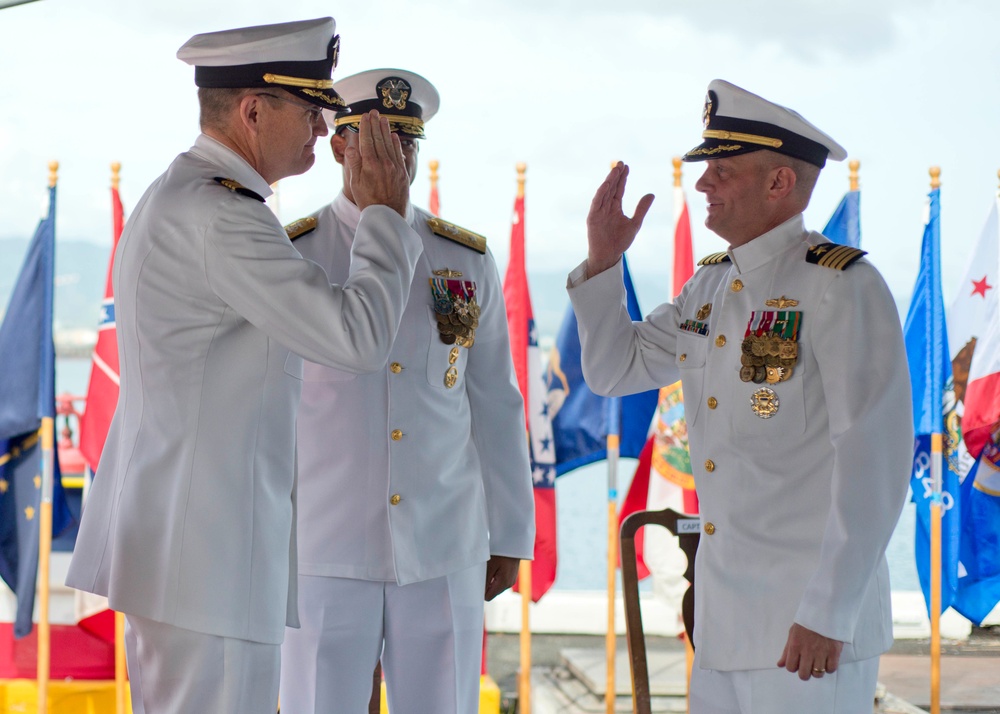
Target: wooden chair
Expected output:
[688,529]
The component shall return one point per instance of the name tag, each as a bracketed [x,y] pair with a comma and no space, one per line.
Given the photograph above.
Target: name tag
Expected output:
[688,525]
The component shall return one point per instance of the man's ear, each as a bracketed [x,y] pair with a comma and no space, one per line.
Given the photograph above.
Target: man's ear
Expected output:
[782,182]
[250,112]
[338,142]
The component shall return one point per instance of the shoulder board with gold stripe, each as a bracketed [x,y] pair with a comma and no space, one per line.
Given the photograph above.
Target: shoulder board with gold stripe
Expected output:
[297,229]
[239,188]
[715,259]
[831,255]
[457,234]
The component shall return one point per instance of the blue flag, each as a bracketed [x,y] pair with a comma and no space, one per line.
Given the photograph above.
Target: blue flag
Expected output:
[844,226]
[933,412]
[979,552]
[584,420]
[27,394]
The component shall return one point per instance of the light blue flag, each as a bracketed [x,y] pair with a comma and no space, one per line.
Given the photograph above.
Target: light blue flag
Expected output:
[933,412]
[27,394]
[584,420]
[979,577]
[844,226]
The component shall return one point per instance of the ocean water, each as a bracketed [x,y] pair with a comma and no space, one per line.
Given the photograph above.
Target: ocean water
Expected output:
[581,512]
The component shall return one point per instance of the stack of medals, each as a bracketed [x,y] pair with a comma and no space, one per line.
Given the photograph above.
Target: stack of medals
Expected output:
[457,316]
[768,354]
[770,348]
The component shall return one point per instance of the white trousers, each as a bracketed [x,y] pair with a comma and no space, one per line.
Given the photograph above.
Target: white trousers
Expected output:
[849,690]
[177,671]
[429,636]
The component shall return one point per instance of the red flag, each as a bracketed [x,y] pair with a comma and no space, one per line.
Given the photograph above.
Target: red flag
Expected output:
[640,497]
[528,368]
[102,396]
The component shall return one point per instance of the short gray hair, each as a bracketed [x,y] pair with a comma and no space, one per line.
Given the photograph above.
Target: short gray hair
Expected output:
[217,103]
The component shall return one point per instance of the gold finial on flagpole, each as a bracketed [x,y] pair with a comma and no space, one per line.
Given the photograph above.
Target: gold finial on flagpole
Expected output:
[53,173]
[116,169]
[854,165]
[935,173]
[677,171]
[521,168]
[433,164]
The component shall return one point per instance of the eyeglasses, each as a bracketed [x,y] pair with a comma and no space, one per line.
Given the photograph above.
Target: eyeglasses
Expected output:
[313,114]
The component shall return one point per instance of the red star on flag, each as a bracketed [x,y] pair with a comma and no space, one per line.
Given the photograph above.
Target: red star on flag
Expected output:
[980,287]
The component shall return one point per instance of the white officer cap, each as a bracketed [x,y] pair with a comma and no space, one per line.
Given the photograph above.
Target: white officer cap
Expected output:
[738,122]
[298,57]
[406,99]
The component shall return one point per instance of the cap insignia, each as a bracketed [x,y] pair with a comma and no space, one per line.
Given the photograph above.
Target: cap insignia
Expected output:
[457,234]
[394,93]
[834,256]
[297,229]
[781,303]
[715,258]
[239,188]
[334,51]
[706,113]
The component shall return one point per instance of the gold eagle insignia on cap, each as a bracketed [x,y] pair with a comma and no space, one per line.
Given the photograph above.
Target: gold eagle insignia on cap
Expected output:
[457,234]
[834,256]
[297,229]
[715,259]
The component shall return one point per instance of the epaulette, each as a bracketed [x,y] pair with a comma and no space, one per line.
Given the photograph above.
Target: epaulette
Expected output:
[238,188]
[715,259]
[457,234]
[831,255]
[297,229]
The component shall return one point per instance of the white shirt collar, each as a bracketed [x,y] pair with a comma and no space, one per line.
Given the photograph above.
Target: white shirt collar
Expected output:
[233,165]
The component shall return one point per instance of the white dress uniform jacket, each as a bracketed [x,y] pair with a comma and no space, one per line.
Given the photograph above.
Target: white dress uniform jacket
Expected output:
[796,509]
[454,487]
[191,518]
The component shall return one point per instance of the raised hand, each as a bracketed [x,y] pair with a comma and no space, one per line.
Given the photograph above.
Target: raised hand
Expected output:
[377,168]
[609,231]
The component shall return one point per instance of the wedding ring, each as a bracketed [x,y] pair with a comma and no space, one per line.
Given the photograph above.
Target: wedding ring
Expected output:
[816,670]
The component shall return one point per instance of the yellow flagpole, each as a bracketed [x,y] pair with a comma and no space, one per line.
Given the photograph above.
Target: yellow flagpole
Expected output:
[854,165]
[936,515]
[121,676]
[524,573]
[45,537]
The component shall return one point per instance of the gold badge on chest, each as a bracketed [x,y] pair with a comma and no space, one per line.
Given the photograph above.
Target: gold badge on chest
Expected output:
[457,314]
[764,403]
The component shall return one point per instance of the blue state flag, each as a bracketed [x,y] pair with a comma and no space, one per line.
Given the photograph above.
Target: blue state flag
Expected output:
[27,395]
[933,413]
[844,226]
[583,420]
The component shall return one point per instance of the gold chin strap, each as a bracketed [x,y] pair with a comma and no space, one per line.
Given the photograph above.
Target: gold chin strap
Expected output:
[298,81]
[407,125]
[737,136]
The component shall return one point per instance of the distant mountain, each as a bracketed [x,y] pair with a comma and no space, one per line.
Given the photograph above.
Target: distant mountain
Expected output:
[81,270]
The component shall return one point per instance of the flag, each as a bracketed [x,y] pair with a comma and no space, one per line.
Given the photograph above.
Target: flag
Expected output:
[434,202]
[27,395]
[974,340]
[102,391]
[528,368]
[844,226]
[645,492]
[581,420]
[934,411]
[92,611]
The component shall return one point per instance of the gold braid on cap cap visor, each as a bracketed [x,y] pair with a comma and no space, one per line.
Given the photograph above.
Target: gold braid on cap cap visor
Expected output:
[298,81]
[407,125]
[737,136]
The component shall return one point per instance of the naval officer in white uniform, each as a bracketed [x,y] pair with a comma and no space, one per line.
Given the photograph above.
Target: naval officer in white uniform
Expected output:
[797,399]
[190,526]
[415,498]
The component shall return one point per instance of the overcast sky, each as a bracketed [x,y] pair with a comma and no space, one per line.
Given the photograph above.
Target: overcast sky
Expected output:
[566,86]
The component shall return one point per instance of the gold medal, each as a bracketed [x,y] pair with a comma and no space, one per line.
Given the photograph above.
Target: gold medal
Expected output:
[773,375]
[759,375]
[746,373]
[450,377]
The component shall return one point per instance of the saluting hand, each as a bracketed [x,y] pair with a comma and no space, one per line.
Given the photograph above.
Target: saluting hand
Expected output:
[609,231]
[377,168]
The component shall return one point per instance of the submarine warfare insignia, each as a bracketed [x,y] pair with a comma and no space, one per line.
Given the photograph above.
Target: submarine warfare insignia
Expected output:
[781,303]
[764,403]
[770,346]
[457,314]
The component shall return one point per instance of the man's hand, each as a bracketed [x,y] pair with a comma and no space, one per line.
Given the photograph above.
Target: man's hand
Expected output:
[609,231]
[377,168]
[810,653]
[501,572]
